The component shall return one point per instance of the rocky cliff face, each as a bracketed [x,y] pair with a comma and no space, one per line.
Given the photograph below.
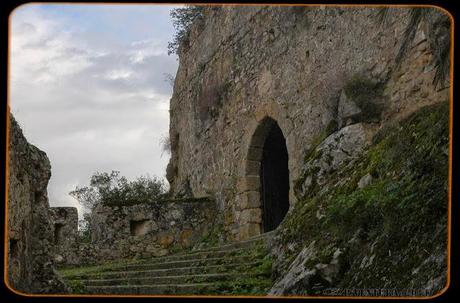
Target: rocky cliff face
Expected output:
[30,237]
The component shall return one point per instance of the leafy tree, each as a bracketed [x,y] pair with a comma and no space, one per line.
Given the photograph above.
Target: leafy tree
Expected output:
[113,189]
[183,18]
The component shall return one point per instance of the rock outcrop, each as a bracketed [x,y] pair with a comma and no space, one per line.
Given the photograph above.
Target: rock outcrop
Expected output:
[375,221]
[30,236]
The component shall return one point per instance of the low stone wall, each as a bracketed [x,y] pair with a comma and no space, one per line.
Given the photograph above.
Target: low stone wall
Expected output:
[146,230]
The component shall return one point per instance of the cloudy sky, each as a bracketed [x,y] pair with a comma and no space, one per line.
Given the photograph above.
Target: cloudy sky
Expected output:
[88,87]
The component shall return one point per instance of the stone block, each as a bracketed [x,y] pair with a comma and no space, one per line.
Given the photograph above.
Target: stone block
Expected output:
[165,240]
[185,236]
[258,139]
[252,182]
[251,215]
[347,110]
[254,153]
[248,230]
[160,252]
[250,199]
[248,183]
[365,181]
[252,167]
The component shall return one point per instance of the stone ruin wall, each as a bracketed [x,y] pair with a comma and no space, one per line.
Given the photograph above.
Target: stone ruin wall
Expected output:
[30,231]
[64,222]
[135,231]
[243,63]
[149,229]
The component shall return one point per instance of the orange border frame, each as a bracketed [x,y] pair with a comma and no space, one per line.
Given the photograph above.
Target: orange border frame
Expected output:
[449,212]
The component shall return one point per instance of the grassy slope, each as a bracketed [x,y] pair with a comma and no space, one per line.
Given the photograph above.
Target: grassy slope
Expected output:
[399,220]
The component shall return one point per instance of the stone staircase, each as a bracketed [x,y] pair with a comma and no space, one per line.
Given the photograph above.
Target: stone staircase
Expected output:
[237,268]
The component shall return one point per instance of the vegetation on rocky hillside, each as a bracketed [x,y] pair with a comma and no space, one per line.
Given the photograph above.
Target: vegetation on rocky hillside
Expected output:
[392,231]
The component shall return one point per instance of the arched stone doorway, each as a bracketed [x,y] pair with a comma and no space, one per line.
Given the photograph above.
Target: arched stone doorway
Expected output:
[274,179]
[265,185]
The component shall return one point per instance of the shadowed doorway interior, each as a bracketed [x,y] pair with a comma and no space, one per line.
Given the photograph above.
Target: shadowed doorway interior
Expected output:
[274,178]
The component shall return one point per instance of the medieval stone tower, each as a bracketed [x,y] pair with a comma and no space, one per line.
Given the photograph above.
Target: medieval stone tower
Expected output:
[256,85]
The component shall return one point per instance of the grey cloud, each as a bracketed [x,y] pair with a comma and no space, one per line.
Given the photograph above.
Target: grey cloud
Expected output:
[83,120]
[25,28]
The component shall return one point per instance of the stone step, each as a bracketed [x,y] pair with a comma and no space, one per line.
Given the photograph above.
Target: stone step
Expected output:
[209,270]
[197,278]
[195,255]
[236,246]
[180,264]
[231,250]
[169,261]
[161,272]
[202,254]
[173,289]
[216,251]
[241,244]
[160,289]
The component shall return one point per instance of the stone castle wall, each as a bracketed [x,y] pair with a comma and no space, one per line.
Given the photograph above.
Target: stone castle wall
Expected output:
[245,63]
[30,230]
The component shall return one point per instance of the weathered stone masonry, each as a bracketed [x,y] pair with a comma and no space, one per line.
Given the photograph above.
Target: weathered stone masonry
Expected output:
[148,229]
[65,234]
[252,81]
[30,231]
[244,64]
[140,230]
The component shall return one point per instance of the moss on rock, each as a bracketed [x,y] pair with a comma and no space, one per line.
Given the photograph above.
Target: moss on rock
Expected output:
[393,231]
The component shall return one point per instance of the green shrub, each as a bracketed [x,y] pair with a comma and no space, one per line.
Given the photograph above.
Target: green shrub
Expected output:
[77,286]
[367,95]
[183,19]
